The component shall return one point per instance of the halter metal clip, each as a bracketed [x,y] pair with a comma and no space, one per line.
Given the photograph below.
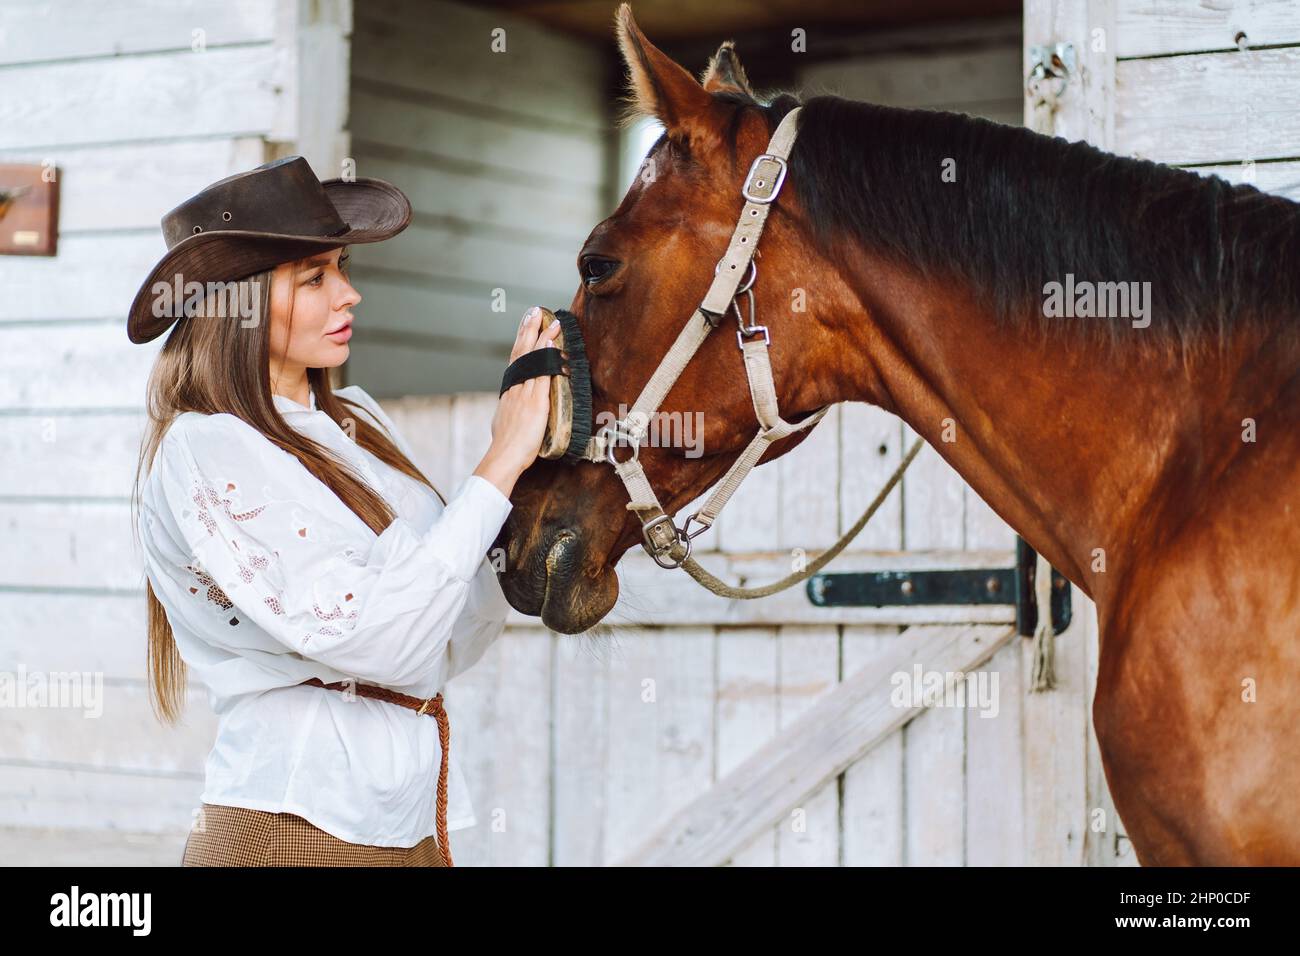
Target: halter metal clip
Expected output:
[612,433]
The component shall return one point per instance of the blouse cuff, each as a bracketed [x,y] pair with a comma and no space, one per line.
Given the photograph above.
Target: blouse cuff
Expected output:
[463,533]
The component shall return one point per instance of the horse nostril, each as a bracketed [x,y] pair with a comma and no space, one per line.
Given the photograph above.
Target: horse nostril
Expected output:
[561,544]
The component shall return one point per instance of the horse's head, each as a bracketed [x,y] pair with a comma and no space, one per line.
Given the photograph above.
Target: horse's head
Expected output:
[643,271]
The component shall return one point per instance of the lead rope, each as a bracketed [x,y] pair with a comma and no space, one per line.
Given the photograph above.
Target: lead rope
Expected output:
[723,589]
[1042,674]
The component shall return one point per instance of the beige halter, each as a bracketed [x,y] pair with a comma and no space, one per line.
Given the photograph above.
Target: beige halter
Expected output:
[667,544]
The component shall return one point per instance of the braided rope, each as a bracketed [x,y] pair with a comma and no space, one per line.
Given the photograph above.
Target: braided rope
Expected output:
[723,589]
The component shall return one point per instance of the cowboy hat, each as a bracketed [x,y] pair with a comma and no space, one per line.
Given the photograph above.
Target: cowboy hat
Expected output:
[255,220]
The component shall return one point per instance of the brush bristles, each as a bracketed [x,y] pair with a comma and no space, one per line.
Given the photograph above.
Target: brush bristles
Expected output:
[579,384]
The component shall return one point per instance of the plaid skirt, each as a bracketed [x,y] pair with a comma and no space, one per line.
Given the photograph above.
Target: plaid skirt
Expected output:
[238,836]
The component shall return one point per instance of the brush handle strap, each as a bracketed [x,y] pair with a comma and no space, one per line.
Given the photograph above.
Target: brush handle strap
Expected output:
[547,361]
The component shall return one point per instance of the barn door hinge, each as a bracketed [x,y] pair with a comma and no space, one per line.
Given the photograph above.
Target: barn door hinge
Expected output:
[1013,586]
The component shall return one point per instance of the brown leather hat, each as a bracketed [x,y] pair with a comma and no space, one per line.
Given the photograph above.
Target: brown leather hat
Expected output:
[255,220]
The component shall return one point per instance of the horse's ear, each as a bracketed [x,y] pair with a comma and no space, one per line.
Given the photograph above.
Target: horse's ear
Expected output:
[658,87]
[724,72]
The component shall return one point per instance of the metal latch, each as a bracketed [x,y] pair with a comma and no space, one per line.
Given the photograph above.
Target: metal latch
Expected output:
[1012,586]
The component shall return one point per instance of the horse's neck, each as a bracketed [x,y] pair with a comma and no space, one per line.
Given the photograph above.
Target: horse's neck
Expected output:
[1070,444]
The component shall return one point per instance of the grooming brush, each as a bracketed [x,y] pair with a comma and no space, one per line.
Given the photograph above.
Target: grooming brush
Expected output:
[568,429]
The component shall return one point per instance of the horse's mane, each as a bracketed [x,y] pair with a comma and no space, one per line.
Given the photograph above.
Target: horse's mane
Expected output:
[1026,209]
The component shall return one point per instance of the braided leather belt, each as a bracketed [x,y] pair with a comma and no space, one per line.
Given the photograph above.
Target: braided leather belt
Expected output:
[420,705]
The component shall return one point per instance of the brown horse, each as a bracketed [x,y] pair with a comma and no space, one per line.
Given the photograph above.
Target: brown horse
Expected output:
[1152,457]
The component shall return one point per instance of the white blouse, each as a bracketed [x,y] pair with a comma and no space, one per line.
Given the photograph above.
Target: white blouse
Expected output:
[268,579]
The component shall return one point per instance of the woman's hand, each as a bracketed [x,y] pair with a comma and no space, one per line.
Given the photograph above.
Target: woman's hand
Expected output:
[522,411]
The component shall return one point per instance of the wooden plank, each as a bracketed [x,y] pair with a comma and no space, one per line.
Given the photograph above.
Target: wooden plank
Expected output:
[499,711]
[62,846]
[389,370]
[994,758]
[81,545]
[471,432]
[580,770]
[1282,179]
[985,530]
[223,92]
[447,49]
[809,835]
[112,729]
[947,79]
[808,506]
[481,262]
[874,811]
[871,446]
[425,423]
[90,798]
[751,519]
[104,634]
[747,715]
[559,158]
[313,39]
[35,30]
[809,520]
[94,276]
[84,454]
[1209,108]
[935,788]
[1055,734]
[1156,28]
[661,733]
[934,507]
[829,736]
[55,368]
[130,186]
[463,196]
[441,285]
[934,514]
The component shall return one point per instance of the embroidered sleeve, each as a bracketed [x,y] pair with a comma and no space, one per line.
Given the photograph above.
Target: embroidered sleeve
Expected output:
[273,548]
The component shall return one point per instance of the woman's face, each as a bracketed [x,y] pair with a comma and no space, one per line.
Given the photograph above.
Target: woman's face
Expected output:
[317,292]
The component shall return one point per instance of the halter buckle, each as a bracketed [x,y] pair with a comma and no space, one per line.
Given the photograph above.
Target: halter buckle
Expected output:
[655,551]
[752,330]
[766,173]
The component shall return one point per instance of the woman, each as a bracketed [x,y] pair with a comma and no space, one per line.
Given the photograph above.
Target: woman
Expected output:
[297,561]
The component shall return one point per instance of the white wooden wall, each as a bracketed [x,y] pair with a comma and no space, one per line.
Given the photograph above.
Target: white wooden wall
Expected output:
[1187,94]
[139,104]
[506,157]
[966,67]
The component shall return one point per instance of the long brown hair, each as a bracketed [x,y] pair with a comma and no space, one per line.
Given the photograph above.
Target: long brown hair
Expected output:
[212,363]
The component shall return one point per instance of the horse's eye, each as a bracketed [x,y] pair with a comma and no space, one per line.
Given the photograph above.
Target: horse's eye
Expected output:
[595,268]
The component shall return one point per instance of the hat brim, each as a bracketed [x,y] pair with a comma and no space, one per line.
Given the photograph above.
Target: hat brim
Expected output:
[373,209]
